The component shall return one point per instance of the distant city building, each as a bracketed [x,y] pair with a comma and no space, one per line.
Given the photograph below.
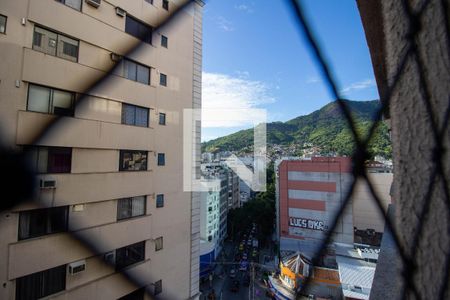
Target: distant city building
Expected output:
[210,245]
[309,193]
[366,215]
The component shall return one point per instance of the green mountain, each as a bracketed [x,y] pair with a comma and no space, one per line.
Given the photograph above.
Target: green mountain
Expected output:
[325,128]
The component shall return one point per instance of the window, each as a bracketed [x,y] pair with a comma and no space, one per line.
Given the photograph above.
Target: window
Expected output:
[3,23]
[39,222]
[41,284]
[160,200]
[158,243]
[136,295]
[162,119]
[134,115]
[76,4]
[50,159]
[138,29]
[50,101]
[164,41]
[165,4]
[55,44]
[149,1]
[161,159]
[133,71]
[129,255]
[158,287]
[130,207]
[131,160]
[163,79]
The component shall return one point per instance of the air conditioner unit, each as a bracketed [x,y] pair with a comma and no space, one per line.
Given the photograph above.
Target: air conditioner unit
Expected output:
[110,257]
[77,267]
[115,57]
[120,12]
[47,183]
[94,3]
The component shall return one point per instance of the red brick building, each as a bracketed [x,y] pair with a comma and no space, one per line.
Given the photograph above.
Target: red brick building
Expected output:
[309,193]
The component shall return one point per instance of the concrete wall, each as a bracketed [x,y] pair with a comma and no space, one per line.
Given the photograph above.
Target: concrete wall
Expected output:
[414,145]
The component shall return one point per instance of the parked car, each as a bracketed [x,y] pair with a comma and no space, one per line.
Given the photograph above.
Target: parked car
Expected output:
[243,266]
[246,280]
[254,253]
[234,286]
[233,273]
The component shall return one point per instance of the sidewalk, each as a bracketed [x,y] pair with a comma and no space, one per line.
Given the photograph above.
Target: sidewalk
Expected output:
[217,283]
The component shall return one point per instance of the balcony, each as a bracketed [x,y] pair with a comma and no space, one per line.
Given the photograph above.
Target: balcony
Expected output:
[75,188]
[81,133]
[56,72]
[34,255]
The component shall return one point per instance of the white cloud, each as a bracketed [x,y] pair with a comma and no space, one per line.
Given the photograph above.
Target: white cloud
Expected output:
[232,101]
[360,85]
[242,74]
[244,7]
[225,24]
[312,80]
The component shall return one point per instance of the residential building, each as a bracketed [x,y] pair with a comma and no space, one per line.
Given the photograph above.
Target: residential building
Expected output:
[234,197]
[210,243]
[109,169]
[220,174]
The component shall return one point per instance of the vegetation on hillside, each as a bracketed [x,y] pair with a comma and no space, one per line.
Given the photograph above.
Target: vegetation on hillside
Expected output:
[325,128]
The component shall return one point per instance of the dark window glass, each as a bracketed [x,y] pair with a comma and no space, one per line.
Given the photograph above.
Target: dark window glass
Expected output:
[131,160]
[134,71]
[159,243]
[138,29]
[50,101]
[3,23]
[136,295]
[38,222]
[165,4]
[41,284]
[59,160]
[164,41]
[129,255]
[149,1]
[70,49]
[76,4]
[141,116]
[160,200]
[130,207]
[55,44]
[134,115]
[130,70]
[162,119]
[163,79]
[161,159]
[158,287]
[143,74]
[50,159]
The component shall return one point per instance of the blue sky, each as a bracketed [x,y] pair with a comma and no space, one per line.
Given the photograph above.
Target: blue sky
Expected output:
[254,56]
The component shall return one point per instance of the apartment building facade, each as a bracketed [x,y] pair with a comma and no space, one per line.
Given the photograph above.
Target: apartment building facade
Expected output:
[210,245]
[109,180]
